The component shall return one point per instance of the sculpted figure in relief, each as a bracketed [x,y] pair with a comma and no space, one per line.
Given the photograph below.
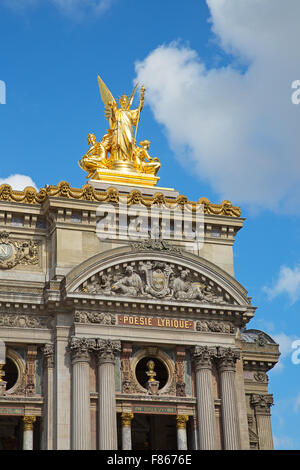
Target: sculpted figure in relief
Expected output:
[130,284]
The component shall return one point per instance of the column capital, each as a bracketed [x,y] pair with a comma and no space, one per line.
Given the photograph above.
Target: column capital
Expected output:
[203,356]
[261,403]
[106,350]
[80,348]
[126,419]
[29,422]
[181,421]
[226,358]
[48,351]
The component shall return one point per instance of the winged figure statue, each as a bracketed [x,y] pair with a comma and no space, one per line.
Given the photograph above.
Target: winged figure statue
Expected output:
[120,141]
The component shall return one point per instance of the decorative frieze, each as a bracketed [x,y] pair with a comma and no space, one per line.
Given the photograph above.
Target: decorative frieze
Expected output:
[25,321]
[215,326]
[17,252]
[88,193]
[95,317]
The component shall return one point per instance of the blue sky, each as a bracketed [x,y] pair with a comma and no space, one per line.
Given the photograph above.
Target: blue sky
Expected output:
[218,114]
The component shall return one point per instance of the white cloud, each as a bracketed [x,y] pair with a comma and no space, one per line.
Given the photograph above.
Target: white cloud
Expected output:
[18,182]
[288,282]
[237,129]
[72,8]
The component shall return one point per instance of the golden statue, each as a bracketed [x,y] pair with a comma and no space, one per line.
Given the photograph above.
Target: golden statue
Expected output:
[117,157]
[150,372]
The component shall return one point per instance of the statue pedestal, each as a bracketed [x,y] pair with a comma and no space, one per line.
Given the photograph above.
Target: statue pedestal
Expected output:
[115,176]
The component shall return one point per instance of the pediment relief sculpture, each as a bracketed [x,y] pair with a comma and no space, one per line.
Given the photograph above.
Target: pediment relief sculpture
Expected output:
[156,280]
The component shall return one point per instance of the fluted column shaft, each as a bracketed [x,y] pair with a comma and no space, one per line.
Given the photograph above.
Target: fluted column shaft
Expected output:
[227,358]
[106,352]
[207,428]
[81,415]
[48,395]
[261,405]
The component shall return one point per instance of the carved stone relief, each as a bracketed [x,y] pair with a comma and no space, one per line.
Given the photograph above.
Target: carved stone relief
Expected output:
[95,317]
[17,252]
[155,279]
[215,326]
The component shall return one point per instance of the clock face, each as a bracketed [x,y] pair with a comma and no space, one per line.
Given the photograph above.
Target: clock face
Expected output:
[6,251]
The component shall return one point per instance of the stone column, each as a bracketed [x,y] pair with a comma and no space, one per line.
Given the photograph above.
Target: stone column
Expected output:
[48,352]
[206,419]
[106,351]
[81,414]
[126,430]
[262,405]
[181,421]
[226,359]
[28,432]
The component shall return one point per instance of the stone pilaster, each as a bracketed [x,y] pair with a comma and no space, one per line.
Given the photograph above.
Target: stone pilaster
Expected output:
[206,419]
[226,359]
[48,352]
[181,421]
[106,351]
[179,369]
[30,369]
[81,415]
[28,432]
[262,405]
[126,419]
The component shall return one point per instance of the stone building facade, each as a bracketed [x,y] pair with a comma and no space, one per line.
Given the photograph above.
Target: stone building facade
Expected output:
[117,342]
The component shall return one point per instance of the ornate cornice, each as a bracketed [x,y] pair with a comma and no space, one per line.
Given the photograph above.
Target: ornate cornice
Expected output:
[88,193]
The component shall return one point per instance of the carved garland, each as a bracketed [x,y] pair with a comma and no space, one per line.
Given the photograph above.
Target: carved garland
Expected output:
[88,193]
